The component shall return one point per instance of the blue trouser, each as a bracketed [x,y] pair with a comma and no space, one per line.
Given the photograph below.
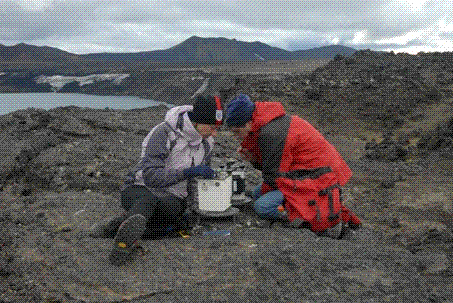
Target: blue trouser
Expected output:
[266,205]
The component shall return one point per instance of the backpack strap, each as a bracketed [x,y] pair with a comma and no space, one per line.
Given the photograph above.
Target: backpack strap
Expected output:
[172,137]
[328,191]
[301,174]
[207,150]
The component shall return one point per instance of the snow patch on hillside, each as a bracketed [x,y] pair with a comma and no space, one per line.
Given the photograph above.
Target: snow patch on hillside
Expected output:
[57,82]
[259,57]
[202,88]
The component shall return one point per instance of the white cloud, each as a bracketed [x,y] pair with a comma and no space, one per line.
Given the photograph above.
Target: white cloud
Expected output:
[360,37]
[34,4]
[414,5]
[403,40]
[137,25]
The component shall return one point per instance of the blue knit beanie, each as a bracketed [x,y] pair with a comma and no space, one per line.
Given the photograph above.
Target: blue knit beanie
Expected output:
[239,111]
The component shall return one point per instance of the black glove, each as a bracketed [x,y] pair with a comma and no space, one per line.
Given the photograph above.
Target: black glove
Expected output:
[199,171]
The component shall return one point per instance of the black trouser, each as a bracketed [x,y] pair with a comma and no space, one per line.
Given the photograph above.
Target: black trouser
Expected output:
[160,211]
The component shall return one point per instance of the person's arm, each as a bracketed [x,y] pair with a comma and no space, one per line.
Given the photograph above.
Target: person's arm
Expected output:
[248,156]
[272,141]
[257,165]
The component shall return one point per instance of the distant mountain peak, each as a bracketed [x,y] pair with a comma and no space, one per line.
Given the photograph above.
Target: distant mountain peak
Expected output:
[30,53]
[192,38]
[222,50]
[195,49]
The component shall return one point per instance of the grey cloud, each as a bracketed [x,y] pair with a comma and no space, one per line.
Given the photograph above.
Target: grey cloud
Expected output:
[146,25]
[382,19]
[396,20]
[386,46]
[165,12]
[62,19]
[314,39]
[447,35]
[379,17]
[417,42]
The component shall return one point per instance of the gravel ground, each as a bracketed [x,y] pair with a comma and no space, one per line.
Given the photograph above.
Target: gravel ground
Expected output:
[61,171]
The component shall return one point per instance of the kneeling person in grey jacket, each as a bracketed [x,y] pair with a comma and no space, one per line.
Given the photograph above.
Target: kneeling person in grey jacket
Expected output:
[155,192]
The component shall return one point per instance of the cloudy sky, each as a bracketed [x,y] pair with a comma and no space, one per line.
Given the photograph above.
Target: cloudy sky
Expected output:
[87,26]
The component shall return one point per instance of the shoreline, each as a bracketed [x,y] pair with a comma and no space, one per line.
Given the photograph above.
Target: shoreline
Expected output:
[77,100]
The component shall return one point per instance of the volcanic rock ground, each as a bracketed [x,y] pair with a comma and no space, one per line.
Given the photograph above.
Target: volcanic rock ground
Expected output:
[62,168]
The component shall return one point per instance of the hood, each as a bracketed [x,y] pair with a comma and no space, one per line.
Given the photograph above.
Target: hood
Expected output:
[265,112]
[183,126]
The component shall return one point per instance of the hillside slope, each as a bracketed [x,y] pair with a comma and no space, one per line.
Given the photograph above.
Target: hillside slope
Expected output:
[220,50]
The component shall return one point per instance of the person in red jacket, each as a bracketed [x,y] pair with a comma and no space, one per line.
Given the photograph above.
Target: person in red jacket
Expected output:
[303,173]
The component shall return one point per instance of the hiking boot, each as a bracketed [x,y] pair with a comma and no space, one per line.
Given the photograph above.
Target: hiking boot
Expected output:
[106,228]
[333,232]
[126,239]
[354,226]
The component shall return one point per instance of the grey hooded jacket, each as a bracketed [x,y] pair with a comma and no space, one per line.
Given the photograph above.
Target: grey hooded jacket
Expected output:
[167,150]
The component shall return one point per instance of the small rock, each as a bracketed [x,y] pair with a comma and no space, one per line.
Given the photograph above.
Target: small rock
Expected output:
[432,264]
[68,296]
[3,216]
[436,236]
[26,192]
[277,225]
[64,228]
[369,145]
[363,235]
[394,223]
[30,200]
[388,184]
[22,219]
[5,271]
[400,178]
[90,170]
[263,223]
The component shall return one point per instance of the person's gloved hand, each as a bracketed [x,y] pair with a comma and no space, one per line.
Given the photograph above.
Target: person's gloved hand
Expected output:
[199,171]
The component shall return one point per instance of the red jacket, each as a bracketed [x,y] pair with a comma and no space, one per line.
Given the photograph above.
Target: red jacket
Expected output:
[283,143]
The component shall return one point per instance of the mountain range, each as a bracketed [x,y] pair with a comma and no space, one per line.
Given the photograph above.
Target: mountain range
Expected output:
[195,49]
[30,53]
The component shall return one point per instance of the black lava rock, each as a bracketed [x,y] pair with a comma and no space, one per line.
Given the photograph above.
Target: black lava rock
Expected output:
[388,183]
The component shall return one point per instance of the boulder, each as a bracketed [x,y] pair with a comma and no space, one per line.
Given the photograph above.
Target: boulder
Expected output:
[386,150]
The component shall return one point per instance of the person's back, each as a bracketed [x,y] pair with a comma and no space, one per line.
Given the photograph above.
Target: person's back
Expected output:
[311,150]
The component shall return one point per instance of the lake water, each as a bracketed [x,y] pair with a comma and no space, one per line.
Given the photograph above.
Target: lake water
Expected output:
[13,102]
